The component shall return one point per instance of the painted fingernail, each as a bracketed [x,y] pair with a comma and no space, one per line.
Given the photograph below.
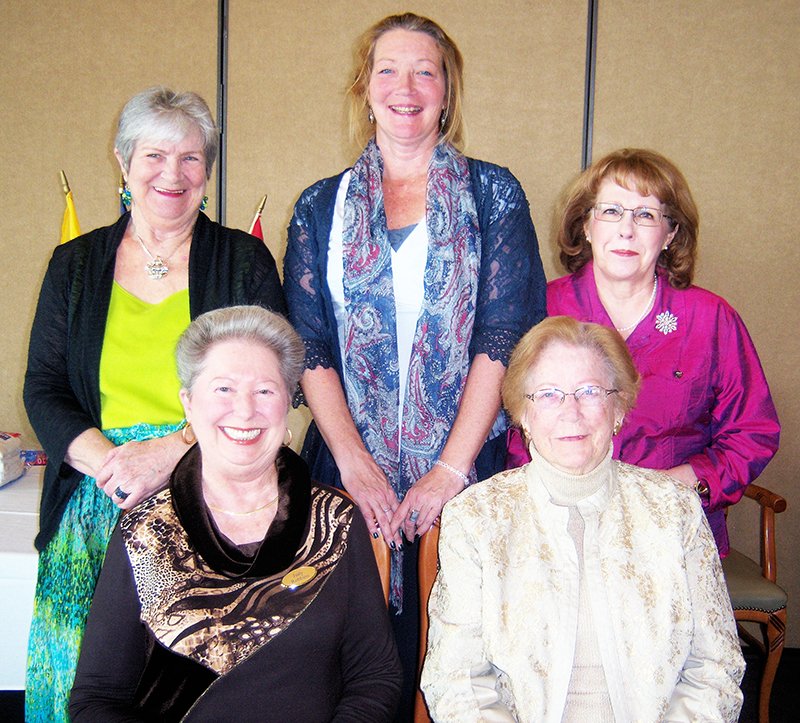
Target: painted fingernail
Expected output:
[416,537]
[375,535]
[400,547]
[392,545]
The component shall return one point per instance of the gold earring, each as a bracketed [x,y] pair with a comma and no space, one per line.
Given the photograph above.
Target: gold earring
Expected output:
[187,435]
[286,444]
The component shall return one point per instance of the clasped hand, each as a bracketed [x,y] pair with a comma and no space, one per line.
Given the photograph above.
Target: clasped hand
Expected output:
[385,514]
[137,469]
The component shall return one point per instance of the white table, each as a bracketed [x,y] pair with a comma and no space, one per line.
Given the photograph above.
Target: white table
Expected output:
[19,523]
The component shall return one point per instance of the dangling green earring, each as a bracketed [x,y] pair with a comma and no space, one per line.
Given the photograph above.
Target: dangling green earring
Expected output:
[125,194]
[204,203]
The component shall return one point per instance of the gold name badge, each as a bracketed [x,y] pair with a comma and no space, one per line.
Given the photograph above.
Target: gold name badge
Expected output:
[299,576]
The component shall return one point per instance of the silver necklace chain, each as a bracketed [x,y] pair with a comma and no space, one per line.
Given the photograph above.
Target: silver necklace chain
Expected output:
[647,308]
[157,267]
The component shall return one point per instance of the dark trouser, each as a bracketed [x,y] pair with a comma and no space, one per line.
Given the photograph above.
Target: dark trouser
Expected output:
[490,461]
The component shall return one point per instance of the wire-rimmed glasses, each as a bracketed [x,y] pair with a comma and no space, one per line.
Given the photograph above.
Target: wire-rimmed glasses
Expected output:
[642,215]
[589,396]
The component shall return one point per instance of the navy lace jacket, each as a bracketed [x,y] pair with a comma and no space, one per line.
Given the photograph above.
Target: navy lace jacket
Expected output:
[511,291]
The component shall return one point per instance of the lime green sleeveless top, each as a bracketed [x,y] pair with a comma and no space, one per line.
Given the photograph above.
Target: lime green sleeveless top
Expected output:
[138,377]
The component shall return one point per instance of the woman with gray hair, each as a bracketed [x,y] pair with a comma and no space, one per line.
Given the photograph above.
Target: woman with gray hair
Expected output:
[578,587]
[101,390]
[225,590]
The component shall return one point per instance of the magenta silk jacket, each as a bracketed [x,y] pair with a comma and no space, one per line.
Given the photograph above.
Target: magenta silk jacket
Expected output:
[704,397]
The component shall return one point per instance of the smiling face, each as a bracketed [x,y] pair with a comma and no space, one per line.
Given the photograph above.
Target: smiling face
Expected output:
[167,179]
[571,437]
[407,88]
[237,409]
[624,251]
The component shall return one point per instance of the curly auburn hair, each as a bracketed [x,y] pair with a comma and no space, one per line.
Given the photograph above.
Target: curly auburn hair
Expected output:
[650,174]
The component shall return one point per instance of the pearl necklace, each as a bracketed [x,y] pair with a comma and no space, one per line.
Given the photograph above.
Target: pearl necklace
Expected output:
[157,267]
[647,308]
[243,514]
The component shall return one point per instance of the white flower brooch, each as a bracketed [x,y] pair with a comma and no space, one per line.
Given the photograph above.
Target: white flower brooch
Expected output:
[666,322]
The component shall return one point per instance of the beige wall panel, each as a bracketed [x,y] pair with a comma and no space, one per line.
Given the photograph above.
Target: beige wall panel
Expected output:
[290,65]
[67,70]
[715,85]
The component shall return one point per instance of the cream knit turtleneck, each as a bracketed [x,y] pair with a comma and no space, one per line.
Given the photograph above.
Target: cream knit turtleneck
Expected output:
[587,695]
[568,489]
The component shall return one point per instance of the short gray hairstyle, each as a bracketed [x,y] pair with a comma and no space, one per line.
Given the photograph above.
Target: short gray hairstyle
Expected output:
[162,114]
[240,323]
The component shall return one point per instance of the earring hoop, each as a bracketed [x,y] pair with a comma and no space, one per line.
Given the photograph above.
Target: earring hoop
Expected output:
[289,431]
[187,435]
[371,116]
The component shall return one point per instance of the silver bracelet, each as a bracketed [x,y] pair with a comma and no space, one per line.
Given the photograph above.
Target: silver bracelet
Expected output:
[457,472]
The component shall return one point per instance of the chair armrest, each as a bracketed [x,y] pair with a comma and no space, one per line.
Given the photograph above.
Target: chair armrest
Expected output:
[770,504]
[765,498]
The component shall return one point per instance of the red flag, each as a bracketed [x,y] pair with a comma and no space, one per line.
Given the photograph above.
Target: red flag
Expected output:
[255,227]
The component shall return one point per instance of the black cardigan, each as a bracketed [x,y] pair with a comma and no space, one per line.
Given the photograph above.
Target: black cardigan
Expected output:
[62,389]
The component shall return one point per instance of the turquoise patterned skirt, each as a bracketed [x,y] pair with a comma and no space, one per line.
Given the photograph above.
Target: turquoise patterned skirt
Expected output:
[68,570]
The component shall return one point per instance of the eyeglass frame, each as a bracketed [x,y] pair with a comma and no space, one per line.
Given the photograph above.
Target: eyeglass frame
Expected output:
[564,395]
[633,211]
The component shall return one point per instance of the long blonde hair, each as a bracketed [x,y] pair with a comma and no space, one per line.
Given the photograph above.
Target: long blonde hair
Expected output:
[361,130]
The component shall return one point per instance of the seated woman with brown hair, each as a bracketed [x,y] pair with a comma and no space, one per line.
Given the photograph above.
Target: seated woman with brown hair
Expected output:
[242,590]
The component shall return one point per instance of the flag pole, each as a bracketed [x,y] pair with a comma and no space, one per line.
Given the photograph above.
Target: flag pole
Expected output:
[70,228]
[258,213]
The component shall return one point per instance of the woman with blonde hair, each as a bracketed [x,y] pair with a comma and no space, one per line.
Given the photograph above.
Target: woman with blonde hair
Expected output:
[409,277]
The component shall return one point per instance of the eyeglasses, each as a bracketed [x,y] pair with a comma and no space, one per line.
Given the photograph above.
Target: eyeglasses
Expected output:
[588,396]
[642,215]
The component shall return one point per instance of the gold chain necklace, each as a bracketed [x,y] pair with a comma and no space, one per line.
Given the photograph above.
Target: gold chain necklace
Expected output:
[243,514]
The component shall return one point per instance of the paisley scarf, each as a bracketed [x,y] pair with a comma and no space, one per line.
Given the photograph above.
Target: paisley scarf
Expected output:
[406,449]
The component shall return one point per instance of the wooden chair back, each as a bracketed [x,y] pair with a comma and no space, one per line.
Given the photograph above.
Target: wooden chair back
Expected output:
[383,557]
[756,597]
[428,567]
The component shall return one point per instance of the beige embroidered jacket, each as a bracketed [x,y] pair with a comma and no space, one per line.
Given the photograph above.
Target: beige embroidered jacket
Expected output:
[504,608]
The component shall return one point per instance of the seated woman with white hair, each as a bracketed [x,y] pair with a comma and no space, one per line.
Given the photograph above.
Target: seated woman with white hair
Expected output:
[578,587]
[242,591]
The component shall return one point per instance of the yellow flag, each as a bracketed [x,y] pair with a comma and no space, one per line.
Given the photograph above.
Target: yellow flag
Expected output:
[70,228]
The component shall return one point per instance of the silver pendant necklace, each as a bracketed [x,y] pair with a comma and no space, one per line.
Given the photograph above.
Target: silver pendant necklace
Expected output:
[646,310]
[157,267]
